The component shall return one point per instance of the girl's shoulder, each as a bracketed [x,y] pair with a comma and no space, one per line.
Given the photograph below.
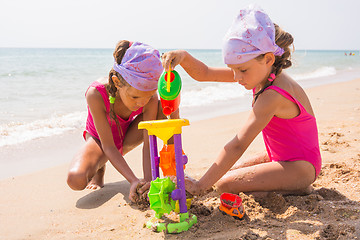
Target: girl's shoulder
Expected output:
[93,95]
[287,94]
[278,94]
[97,93]
[289,85]
[96,100]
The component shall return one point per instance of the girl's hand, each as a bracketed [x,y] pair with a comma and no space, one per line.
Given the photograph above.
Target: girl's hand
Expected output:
[192,186]
[133,195]
[142,189]
[138,190]
[172,58]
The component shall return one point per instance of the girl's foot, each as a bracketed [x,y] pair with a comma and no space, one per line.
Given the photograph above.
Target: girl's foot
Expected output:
[98,180]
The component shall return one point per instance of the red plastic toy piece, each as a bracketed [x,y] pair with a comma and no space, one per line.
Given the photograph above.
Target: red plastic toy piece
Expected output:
[170,106]
[231,204]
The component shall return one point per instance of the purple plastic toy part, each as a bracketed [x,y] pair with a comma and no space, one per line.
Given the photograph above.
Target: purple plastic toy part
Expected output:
[154,157]
[176,194]
[180,172]
[185,159]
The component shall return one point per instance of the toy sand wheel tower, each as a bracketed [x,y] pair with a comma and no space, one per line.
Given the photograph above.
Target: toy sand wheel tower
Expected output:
[163,193]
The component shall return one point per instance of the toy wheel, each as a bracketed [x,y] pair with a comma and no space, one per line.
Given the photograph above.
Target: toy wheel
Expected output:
[160,196]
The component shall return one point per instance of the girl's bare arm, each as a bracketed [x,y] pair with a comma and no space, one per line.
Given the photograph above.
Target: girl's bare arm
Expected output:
[262,112]
[195,68]
[98,111]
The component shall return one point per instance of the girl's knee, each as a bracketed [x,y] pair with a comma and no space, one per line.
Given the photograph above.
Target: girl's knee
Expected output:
[223,186]
[305,174]
[77,180]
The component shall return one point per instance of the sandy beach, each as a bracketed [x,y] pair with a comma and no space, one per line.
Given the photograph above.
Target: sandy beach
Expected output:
[40,205]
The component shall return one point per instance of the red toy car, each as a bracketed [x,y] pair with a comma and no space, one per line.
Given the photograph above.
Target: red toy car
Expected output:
[231,204]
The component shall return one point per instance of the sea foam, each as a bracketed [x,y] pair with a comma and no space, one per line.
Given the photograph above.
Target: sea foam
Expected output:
[211,94]
[14,133]
[320,72]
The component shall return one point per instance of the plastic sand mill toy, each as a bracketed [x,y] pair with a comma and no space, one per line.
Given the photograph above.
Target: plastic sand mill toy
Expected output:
[164,195]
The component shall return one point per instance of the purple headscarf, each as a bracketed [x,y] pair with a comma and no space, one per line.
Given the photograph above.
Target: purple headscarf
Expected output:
[251,34]
[141,67]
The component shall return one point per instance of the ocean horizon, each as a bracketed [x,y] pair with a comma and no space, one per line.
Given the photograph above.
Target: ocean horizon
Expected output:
[43,88]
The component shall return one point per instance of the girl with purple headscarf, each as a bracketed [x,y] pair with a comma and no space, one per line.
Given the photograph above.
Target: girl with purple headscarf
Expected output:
[255,51]
[115,107]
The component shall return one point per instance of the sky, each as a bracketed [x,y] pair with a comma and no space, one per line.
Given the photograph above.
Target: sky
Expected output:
[169,24]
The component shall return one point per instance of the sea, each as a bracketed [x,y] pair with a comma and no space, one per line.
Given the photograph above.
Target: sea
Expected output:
[42,89]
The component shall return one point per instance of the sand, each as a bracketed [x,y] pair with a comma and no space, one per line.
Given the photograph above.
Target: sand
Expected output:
[40,205]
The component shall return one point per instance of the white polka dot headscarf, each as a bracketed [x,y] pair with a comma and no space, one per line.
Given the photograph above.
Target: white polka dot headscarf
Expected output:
[251,34]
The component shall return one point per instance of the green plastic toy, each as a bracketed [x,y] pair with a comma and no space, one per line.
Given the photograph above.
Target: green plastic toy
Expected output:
[169,87]
[161,202]
[159,196]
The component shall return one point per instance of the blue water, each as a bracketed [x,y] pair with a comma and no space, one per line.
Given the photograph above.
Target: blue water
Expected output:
[42,90]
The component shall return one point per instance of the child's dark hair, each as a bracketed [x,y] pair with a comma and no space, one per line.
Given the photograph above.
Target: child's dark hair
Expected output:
[118,54]
[284,40]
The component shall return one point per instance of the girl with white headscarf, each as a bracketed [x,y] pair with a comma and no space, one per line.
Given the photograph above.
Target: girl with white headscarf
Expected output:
[256,51]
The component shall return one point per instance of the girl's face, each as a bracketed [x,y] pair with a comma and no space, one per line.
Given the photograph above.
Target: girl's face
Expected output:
[253,73]
[133,98]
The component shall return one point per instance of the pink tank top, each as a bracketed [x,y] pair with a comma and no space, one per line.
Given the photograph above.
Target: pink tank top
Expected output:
[293,139]
[124,124]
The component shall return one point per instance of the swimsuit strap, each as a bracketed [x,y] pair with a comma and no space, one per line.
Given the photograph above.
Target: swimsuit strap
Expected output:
[102,90]
[282,92]
[287,95]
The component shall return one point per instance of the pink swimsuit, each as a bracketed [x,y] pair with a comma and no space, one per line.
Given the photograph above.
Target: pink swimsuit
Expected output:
[293,139]
[124,124]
